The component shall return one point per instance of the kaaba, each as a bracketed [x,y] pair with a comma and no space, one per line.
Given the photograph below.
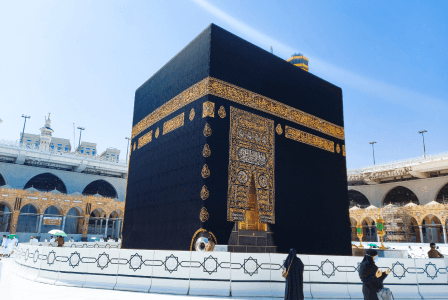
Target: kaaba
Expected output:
[232,143]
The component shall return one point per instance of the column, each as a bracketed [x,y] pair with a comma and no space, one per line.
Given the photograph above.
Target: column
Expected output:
[63,223]
[444,233]
[107,223]
[118,228]
[39,228]
[101,225]
[96,225]
[114,235]
[14,219]
[421,233]
[85,228]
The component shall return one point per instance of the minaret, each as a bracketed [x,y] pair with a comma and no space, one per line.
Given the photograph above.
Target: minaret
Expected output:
[45,135]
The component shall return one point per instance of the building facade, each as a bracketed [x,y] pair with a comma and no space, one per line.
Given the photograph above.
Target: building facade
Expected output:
[33,213]
[411,195]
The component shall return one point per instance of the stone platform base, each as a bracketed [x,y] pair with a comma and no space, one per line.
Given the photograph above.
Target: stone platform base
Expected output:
[249,241]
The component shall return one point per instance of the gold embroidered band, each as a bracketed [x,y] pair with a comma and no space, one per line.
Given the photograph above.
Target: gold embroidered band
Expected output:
[308,138]
[145,139]
[174,123]
[222,89]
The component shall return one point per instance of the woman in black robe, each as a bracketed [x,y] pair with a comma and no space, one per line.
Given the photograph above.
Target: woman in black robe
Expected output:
[294,281]
[371,277]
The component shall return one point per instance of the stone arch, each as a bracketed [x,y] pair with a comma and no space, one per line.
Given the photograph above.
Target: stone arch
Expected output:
[432,229]
[442,194]
[45,208]
[369,230]
[117,212]
[2,180]
[5,216]
[28,218]
[7,204]
[415,231]
[74,220]
[102,187]
[399,195]
[46,182]
[97,221]
[357,198]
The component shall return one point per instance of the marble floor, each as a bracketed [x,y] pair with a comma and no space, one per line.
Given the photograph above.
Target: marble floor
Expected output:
[13,287]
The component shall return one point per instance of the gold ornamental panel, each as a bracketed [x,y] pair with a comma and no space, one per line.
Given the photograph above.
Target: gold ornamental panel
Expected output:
[251,161]
[173,124]
[308,138]
[208,109]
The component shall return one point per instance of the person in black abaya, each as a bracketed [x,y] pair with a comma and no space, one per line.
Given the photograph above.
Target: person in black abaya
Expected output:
[372,278]
[294,281]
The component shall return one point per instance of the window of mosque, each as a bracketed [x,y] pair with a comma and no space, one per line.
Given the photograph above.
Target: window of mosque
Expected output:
[46,182]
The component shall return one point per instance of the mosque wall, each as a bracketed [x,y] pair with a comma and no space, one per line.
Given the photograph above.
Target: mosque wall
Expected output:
[17,176]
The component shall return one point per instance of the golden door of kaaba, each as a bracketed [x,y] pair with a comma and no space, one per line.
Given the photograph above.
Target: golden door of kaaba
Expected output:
[251,197]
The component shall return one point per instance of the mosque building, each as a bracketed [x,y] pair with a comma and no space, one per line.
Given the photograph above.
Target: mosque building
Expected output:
[410,195]
[45,186]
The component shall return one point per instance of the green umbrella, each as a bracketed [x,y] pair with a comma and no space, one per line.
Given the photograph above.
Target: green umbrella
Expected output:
[372,245]
[57,232]
[11,236]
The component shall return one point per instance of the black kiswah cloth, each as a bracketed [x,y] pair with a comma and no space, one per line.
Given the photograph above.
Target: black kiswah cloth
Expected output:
[294,281]
[367,270]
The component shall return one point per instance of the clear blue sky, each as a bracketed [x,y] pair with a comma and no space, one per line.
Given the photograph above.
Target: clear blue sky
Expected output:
[83,60]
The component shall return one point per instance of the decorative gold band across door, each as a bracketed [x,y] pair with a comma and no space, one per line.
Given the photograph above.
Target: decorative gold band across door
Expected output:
[222,89]
[251,163]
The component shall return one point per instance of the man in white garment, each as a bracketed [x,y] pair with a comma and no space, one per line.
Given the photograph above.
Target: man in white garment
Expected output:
[119,240]
[101,240]
[7,249]
[3,244]
[71,240]
[46,241]
[52,239]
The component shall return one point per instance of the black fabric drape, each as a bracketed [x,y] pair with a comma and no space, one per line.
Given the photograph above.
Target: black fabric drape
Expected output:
[370,283]
[294,281]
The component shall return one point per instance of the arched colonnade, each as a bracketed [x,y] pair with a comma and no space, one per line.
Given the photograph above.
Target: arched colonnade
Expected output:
[39,212]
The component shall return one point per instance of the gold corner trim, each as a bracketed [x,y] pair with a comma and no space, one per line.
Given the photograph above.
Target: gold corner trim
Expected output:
[225,90]
[308,138]
[206,152]
[208,109]
[207,130]
[222,112]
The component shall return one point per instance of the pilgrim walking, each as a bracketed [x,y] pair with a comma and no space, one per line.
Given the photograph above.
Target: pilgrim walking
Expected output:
[372,278]
[294,276]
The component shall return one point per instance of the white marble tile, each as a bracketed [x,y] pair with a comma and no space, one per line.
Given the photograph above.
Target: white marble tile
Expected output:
[50,260]
[432,277]
[250,274]
[171,272]
[33,262]
[401,280]
[135,270]
[210,273]
[102,268]
[73,268]
[328,276]
[278,283]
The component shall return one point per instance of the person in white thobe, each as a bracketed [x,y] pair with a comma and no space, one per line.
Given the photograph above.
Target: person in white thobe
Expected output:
[46,241]
[101,240]
[7,249]
[71,240]
[119,240]
[52,239]
[3,244]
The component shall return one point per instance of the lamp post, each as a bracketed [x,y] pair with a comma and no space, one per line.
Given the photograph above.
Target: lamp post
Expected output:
[373,148]
[80,132]
[380,231]
[127,149]
[422,132]
[359,233]
[24,123]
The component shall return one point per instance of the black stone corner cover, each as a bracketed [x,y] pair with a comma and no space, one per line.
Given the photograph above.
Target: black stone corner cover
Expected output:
[163,199]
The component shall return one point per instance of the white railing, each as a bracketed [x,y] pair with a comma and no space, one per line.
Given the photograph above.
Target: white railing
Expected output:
[16,145]
[222,273]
